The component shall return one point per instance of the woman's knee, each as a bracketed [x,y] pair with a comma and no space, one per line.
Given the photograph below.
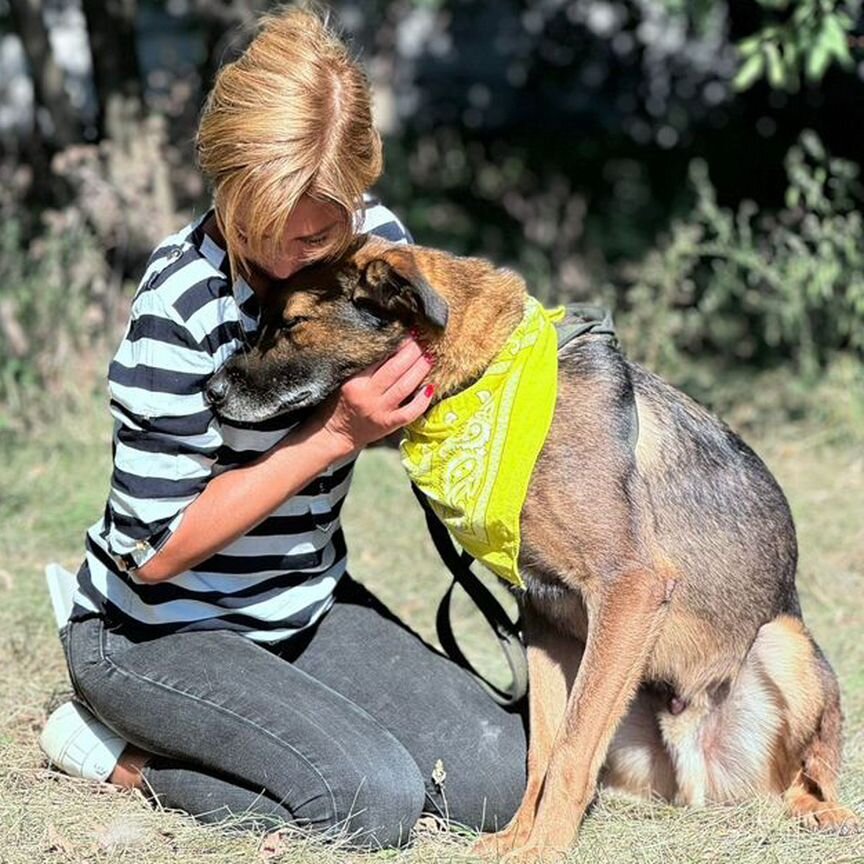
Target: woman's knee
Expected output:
[485,783]
[375,798]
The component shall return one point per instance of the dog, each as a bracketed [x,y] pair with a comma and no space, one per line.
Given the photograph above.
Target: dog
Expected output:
[666,650]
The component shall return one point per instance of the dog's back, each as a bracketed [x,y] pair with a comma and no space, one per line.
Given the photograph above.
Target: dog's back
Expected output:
[717,510]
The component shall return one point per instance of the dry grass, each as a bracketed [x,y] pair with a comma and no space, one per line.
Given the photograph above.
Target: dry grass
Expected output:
[53,485]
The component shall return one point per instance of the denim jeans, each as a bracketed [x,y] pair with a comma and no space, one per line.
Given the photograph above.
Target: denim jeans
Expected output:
[339,729]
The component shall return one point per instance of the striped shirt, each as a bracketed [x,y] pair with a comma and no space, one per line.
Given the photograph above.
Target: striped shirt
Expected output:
[187,319]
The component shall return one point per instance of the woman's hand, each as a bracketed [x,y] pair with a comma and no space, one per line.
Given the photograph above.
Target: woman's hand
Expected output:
[370,406]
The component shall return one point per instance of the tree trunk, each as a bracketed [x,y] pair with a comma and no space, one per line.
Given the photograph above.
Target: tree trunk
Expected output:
[113,49]
[46,74]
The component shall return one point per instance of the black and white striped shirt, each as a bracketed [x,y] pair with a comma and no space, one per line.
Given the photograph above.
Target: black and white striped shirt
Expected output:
[187,319]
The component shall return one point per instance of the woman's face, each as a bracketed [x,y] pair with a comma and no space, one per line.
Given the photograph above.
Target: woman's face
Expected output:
[310,228]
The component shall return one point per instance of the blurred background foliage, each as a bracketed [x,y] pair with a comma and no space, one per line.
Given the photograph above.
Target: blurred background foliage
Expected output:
[693,163]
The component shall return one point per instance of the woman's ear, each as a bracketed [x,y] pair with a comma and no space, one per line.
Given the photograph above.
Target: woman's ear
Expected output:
[396,285]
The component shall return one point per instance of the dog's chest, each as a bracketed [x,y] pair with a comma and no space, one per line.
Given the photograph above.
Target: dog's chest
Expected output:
[555,602]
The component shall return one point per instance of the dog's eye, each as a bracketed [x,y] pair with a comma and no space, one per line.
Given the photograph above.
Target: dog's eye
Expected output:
[290,323]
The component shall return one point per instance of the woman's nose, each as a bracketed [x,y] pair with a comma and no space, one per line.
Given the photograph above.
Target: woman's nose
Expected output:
[290,266]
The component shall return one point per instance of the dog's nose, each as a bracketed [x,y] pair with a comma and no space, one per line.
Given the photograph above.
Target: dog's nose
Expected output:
[217,389]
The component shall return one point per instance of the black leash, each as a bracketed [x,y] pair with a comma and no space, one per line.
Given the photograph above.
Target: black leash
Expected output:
[506,631]
[578,321]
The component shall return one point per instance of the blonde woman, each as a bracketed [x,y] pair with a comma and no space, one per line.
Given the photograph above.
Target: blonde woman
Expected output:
[222,659]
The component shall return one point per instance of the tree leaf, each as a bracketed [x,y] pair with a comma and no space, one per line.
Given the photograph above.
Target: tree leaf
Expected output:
[752,69]
[818,60]
[776,68]
[836,40]
[747,46]
[804,15]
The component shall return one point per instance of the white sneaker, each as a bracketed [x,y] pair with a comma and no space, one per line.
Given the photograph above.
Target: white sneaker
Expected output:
[77,743]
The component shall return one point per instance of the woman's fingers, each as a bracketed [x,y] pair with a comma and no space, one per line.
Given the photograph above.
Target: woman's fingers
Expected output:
[409,381]
[413,409]
[392,369]
[382,399]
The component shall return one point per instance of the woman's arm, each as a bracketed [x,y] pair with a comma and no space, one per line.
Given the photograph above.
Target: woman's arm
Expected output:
[367,408]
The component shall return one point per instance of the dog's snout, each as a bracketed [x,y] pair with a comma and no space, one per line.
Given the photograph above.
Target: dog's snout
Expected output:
[217,389]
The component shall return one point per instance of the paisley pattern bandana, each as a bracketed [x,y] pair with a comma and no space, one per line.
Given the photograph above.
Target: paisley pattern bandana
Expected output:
[472,454]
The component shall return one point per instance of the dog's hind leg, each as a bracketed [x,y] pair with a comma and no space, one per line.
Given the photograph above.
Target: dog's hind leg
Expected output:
[553,661]
[807,752]
[775,730]
[812,795]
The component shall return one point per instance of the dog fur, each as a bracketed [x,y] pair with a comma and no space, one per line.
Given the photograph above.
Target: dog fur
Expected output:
[667,654]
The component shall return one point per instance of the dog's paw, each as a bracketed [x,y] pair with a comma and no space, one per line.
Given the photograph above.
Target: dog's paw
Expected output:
[836,820]
[493,847]
[534,855]
[501,848]
[828,816]
[500,845]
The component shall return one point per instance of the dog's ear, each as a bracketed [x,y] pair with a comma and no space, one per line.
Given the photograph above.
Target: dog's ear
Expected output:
[396,285]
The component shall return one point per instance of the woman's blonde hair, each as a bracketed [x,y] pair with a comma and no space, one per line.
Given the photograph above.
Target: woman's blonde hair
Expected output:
[291,117]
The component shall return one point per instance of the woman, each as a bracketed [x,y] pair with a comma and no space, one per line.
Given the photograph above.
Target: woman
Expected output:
[221,657]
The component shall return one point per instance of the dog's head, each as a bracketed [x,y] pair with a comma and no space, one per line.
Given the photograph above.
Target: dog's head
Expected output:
[325,324]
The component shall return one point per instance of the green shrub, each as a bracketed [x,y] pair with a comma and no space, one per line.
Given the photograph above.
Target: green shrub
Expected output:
[55,309]
[739,288]
[63,283]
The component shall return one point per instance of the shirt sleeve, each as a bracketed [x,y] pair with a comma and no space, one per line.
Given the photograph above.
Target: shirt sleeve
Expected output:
[166,435]
[382,222]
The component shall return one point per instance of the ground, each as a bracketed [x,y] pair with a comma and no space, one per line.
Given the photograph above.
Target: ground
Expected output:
[52,485]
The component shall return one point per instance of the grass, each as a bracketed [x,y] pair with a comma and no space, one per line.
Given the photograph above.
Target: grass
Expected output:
[53,485]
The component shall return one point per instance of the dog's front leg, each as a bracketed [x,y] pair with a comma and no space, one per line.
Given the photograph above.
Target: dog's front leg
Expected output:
[623,626]
[553,660]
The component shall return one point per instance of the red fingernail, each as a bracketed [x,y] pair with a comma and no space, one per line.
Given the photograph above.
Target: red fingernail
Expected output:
[429,390]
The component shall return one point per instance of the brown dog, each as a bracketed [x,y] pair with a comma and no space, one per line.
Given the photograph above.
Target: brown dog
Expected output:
[667,655]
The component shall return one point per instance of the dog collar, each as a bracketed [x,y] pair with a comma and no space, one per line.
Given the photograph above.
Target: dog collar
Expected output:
[472,454]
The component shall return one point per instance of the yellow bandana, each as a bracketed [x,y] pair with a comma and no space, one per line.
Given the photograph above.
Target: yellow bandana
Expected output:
[472,454]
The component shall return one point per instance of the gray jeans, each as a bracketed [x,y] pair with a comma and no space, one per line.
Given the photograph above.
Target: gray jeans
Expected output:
[339,729]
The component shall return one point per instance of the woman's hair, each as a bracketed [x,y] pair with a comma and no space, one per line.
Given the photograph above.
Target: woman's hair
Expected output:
[290,117]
